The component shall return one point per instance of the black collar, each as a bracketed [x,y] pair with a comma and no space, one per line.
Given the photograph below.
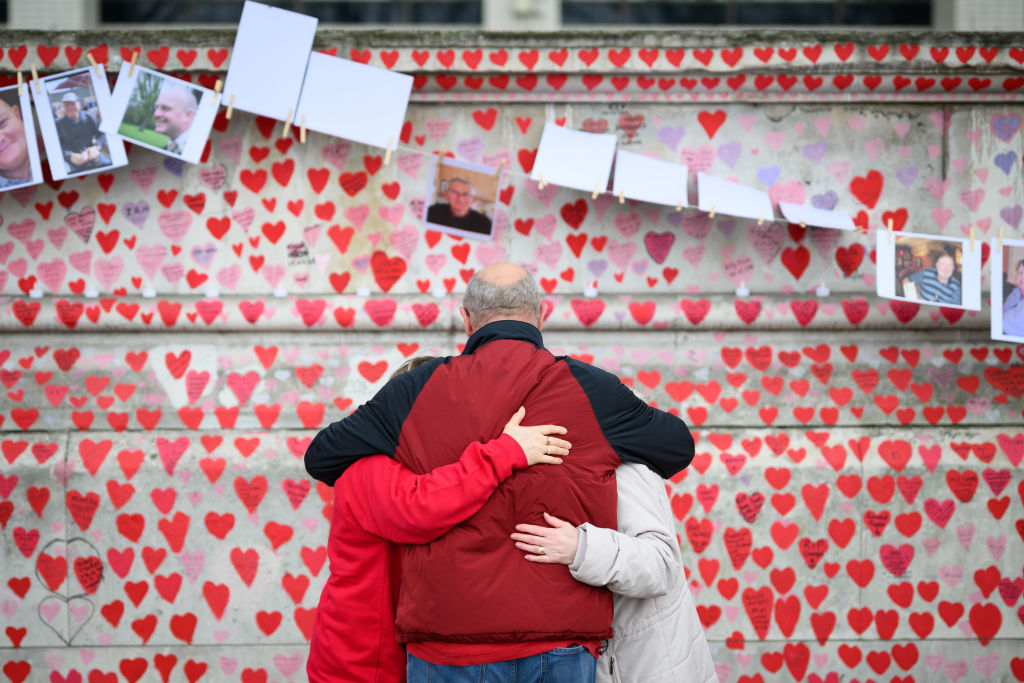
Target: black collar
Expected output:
[504,329]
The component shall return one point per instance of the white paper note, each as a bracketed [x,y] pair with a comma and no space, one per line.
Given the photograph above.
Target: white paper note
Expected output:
[572,158]
[268,61]
[649,180]
[732,199]
[353,101]
[814,217]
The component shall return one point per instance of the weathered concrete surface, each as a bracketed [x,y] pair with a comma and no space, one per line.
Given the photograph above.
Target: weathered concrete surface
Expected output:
[160,435]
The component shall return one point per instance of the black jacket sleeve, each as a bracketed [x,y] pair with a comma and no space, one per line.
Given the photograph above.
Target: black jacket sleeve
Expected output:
[637,432]
[372,429]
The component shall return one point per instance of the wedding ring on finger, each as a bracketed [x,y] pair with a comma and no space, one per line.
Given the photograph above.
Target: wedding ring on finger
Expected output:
[540,550]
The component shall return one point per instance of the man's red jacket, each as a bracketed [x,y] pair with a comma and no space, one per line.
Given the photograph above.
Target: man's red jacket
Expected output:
[472,585]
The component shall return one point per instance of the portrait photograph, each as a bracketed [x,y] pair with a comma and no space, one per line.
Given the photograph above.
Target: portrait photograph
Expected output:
[161,113]
[461,198]
[929,269]
[1007,278]
[19,151]
[71,107]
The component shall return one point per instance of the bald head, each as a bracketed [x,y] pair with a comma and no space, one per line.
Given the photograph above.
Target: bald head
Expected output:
[501,291]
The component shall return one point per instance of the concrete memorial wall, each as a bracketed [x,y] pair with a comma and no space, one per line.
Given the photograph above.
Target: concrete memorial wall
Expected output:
[855,510]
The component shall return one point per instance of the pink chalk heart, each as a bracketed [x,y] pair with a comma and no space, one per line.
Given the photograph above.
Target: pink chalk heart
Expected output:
[546,225]
[7,248]
[107,272]
[311,233]
[174,224]
[470,148]
[792,192]
[81,223]
[410,164]
[231,147]
[392,214]
[357,215]
[549,253]
[34,248]
[215,177]
[437,128]
[228,277]
[143,176]
[336,154]
[489,252]
[273,274]
[658,245]
[767,239]
[628,224]
[244,217]
[22,230]
[435,262]
[698,160]
[621,253]
[81,261]
[18,267]
[543,196]
[51,273]
[404,241]
[696,225]
[150,257]
[739,270]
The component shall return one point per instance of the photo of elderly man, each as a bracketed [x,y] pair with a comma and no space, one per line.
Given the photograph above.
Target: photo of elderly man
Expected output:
[160,113]
[457,210]
[83,145]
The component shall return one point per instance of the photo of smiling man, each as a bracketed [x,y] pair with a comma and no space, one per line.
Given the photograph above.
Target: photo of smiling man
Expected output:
[160,113]
[19,154]
[462,202]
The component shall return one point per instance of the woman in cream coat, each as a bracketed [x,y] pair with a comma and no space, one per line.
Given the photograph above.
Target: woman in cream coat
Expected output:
[658,635]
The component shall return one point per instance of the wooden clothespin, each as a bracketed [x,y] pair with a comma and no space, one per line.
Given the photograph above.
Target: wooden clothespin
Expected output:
[890,230]
[971,231]
[501,165]
[35,77]
[131,67]
[287,123]
[1000,238]
[21,84]
[440,157]
[302,129]
[760,221]
[803,225]
[231,107]
[597,191]
[712,214]
[218,86]
[542,183]
[387,154]
[95,65]
[679,206]
[622,196]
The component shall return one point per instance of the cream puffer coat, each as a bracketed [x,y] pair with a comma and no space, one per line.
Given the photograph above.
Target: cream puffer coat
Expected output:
[658,635]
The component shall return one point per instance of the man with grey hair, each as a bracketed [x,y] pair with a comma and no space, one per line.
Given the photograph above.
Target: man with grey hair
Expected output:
[458,212]
[173,113]
[470,607]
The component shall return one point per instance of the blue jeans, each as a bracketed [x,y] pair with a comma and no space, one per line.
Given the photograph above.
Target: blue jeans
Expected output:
[562,665]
